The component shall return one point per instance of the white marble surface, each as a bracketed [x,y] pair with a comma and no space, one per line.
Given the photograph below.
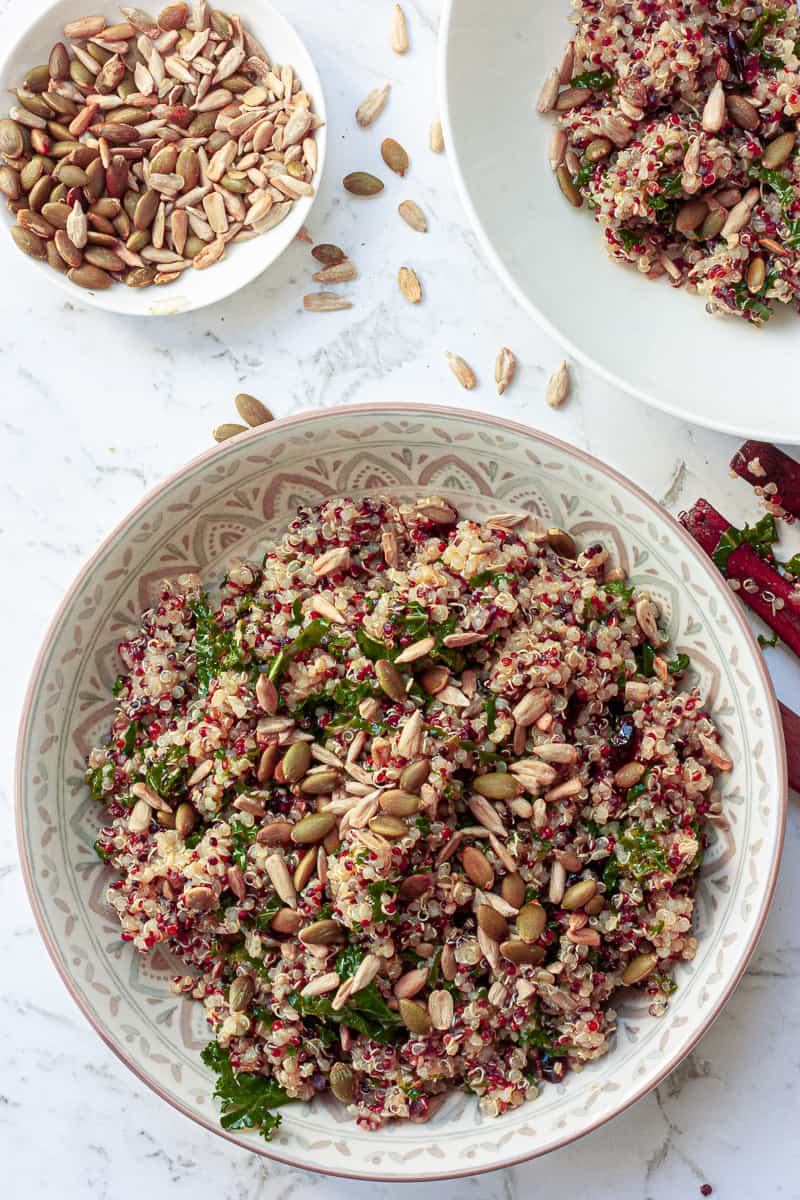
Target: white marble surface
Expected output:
[95,409]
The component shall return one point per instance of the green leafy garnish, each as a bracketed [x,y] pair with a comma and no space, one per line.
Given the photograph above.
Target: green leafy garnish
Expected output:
[246,1100]
[241,837]
[216,649]
[312,635]
[372,648]
[611,874]
[645,659]
[100,780]
[538,1039]
[762,26]
[118,685]
[645,856]
[267,911]
[167,774]
[618,587]
[792,566]
[679,664]
[131,733]
[194,839]
[491,712]
[672,189]
[760,536]
[767,641]
[630,237]
[105,855]
[376,891]
[598,81]
[500,579]
[366,1012]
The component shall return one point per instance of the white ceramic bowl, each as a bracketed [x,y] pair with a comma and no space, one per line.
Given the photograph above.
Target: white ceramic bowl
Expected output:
[656,343]
[226,503]
[243,262]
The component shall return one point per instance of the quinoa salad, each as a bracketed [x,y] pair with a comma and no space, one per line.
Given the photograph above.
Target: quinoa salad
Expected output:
[412,799]
[677,127]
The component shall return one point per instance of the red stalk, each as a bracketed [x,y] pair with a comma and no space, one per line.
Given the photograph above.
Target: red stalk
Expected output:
[773,598]
[764,466]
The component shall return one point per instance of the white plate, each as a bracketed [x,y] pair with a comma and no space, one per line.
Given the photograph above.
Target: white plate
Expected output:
[243,262]
[654,342]
[224,505]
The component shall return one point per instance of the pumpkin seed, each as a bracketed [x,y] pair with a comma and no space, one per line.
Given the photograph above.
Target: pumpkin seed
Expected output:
[320,783]
[313,828]
[512,889]
[497,785]
[394,156]
[342,1082]
[28,242]
[58,63]
[390,680]
[742,112]
[478,867]
[328,254]
[12,142]
[9,183]
[286,920]
[414,886]
[361,183]
[778,151]
[399,803]
[305,869]
[66,249]
[101,256]
[567,185]
[638,968]
[54,259]
[415,1017]
[222,26]
[227,430]
[492,922]
[756,274]
[531,921]
[251,410]
[521,953]
[598,148]
[322,933]
[241,993]
[388,826]
[576,896]
[296,761]
[560,541]
[415,774]
[712,226]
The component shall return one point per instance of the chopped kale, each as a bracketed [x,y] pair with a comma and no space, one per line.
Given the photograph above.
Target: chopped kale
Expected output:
[216,649]
[241,837]
[100,780]
[366,1012]
[619,588]
[246,1100]
[105,855]
[645,855]
[313,635]
[645,659]
[760,536]
[598,81]
[166,775]
[679,664]
[767,641]
[371,647]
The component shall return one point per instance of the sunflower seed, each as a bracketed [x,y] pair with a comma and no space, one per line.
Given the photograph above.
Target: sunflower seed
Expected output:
[399,35]
[436,137]
[638,968]
[341,272]
[372,105]
[462,371]
[504,368]
[549,93]
[558,387]
[325,302]
[254,413]
[409,285]
[413,215]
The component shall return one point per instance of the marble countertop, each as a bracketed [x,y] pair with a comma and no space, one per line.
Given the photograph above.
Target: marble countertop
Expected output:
[96,409]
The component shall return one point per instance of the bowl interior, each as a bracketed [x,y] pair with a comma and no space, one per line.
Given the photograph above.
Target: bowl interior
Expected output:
[227,503]
[655,342]
[243,262]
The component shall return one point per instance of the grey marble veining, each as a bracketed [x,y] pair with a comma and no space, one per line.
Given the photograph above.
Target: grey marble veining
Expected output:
[95,409]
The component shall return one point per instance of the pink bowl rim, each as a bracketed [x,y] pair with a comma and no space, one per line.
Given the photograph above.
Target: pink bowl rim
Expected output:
[498,423]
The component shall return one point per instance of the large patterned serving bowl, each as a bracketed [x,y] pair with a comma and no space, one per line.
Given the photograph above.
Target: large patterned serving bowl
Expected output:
[226,503]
